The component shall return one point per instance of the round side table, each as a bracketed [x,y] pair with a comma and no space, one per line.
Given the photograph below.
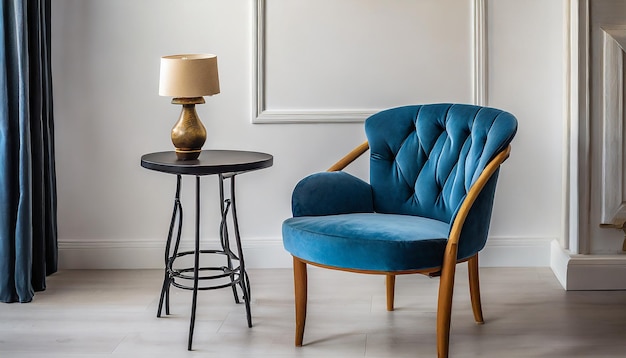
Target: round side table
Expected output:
[226,164]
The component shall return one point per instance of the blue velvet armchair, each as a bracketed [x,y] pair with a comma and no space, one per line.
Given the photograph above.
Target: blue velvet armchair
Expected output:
[427,206]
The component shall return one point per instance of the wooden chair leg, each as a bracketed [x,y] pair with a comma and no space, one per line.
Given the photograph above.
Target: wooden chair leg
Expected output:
[444,309]
[391,288]
[300,287]
[474,285]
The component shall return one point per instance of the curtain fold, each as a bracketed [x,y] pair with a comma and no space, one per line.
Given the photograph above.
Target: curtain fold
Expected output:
[28,227]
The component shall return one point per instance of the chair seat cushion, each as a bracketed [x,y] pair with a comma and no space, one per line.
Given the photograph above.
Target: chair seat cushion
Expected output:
[367,241]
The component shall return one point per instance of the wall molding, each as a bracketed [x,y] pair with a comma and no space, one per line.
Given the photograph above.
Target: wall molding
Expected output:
[578,107]
[268,253]
[613,201]
[261,114]
[479,76]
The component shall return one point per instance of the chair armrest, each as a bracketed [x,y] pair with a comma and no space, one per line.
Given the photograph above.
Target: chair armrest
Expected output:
[350,157]
[331,193]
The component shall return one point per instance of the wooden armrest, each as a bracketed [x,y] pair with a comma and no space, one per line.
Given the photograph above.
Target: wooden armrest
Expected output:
[472,195]
[350,157]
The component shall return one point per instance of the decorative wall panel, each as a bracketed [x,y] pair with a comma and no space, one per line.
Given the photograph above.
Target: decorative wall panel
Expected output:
[313,66]
[613,175]
[597,194]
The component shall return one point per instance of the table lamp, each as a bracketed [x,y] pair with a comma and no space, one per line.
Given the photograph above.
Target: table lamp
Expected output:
[187,78]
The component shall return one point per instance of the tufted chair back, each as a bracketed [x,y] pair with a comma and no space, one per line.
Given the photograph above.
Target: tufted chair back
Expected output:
[425,158]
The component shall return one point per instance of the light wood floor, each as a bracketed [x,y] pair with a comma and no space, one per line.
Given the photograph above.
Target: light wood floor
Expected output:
[113,313]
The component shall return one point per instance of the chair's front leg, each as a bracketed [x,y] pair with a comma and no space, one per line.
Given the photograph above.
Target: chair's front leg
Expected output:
[300,287]
[444,304]
[474,285]
[391,289]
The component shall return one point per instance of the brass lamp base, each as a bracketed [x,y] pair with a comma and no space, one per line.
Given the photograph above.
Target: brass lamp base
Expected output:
[188,134]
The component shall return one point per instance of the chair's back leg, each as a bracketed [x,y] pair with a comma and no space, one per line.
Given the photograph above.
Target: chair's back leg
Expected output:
[300,288]
[474,286]
[391,289]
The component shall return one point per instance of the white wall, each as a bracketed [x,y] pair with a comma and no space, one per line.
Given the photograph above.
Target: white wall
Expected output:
[113,213]
[526,77]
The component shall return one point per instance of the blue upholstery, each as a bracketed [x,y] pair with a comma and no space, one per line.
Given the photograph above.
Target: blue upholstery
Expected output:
[367,241]
[423,161]
[335,193]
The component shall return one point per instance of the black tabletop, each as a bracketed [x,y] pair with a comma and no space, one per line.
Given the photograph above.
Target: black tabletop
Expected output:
[209,162]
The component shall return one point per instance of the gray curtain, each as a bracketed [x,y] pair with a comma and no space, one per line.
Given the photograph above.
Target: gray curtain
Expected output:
[28,228]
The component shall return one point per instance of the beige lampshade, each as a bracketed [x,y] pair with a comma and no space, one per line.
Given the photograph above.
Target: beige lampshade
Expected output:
[187,76]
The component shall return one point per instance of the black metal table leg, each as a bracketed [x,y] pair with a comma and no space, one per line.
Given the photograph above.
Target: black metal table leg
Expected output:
[224,239]
[177,212]
[243,275]
[196,265]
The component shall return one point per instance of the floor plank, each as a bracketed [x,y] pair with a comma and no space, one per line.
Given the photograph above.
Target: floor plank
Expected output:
[93,313]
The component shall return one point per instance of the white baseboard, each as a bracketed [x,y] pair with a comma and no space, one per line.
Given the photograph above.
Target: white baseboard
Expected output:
[516,252]
[574,272]
[588,272]
[559,260]
[269,253]
[150,254]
